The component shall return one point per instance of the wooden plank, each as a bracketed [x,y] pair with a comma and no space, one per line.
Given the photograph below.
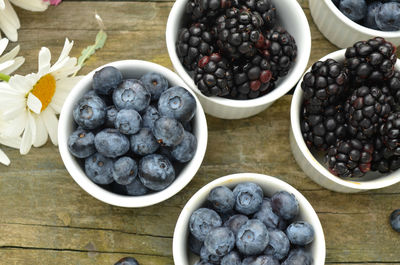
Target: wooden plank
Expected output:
[46,217]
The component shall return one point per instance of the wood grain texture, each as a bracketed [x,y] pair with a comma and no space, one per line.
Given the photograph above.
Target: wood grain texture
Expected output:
[46,218]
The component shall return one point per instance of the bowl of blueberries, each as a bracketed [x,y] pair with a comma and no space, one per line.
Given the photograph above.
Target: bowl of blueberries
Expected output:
[345,118]
[343,22]
[238,56]
[248,219]
[131,134]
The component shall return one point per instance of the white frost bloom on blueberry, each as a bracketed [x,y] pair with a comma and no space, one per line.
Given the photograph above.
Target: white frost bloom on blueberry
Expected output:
[9,22]
[30,103]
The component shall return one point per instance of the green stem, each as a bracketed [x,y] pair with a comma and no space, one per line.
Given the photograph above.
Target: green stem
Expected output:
[4,77]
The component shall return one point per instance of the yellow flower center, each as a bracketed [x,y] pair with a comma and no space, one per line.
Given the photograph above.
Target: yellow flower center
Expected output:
[44,90]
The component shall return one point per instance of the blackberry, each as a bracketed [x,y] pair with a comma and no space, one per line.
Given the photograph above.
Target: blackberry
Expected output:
[238,31]
[325,84]
[366,109]
[350,158]
[390,133]
[394,85]
[193,42]
[371,60]
[383,159]
[201,10]
[266,10]
[213,76]
[252,78]
[324,129]
[281,49]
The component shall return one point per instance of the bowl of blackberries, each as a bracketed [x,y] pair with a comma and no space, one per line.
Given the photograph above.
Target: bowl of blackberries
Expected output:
[248,219]
[238,56]
[131,134]
[343,22]
[345,118]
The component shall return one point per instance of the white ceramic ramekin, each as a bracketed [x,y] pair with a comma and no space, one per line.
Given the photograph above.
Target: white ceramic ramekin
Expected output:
[342,31]
[313,164]
[129,69]
[291,17]
[270,185]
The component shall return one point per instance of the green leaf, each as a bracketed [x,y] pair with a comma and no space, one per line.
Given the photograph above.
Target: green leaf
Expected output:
[101,38]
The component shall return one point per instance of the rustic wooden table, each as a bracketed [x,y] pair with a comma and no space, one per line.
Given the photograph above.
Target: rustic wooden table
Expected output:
[46,218]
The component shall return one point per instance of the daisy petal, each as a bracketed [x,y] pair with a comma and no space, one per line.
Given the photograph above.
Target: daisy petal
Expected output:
[41,132]
[32,5]
[6,65]
[28,136]
[2,6]
[16,126]
[4,41]
[34,103]
[44,60]
[17,63]
[51,123]
[9,22]
[4,158]
[14,142]
[10,55]
[65,51]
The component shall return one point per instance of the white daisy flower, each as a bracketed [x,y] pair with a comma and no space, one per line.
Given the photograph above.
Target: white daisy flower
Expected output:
[9,22]
[9,62]
[30,103]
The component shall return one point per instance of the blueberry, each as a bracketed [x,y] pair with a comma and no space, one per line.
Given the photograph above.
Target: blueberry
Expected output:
[232,258]
[252,237]
[300,233]
[388,17]
[202,221]
[285,205]
[168,131]
[249,197]
[127,261]
[143,143]
[155,84]
[156,172]
[266,214]
[90,112]
[373,9]
[279,244]
[177,103]
[395,220]
[207,256]
[185,151]
[99,169]
[128,121]
[111,143]
[260,260]
[203,262]
[81,143]
[149,116]
[187,126]
[221,198]
[117,188]
[125,170]
[106,79]
[353,9]
[136,188]
[220,241]
[298,256]
[195,245]
[131,94]
[235,222]
[111,115]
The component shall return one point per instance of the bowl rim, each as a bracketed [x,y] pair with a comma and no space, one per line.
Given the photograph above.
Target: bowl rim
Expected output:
[240,104]
[363,29]
[295,107]
[179,254]
[109,197]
